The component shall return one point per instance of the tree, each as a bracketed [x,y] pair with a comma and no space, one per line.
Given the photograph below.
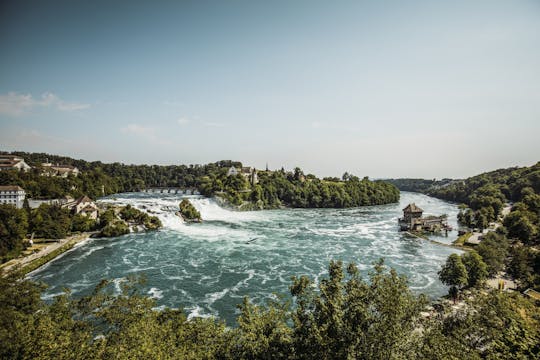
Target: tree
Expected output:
[350,318]
[50,221]
[81,222]
[13,229]
[476,268]
[494,326]
[454,273]
[493,249]
[520,227]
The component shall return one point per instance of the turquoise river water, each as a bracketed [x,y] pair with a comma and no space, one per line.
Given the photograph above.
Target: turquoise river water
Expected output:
[208,268]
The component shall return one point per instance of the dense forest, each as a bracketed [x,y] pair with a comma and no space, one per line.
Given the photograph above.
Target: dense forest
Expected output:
[275,188]
[485,195]
[344,317]
[514,247]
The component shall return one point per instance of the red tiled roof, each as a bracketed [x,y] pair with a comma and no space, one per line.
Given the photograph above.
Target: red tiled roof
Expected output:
[11,188]
[9,162]
[412,208]
[89,208]
[83,199]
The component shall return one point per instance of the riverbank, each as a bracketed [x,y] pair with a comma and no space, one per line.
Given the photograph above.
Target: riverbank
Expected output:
[42,254]
[423,237]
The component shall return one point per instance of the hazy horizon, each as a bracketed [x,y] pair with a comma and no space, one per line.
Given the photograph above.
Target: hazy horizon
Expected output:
[385,90]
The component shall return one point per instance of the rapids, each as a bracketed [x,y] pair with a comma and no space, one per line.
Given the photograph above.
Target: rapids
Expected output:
[208,268]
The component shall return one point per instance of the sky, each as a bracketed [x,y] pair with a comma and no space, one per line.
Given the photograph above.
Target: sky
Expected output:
[427,89]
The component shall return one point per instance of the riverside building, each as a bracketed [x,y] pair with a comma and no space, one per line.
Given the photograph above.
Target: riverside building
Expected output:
[12,195]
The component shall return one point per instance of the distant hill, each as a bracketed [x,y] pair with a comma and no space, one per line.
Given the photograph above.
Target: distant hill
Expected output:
[419,185]
[509,182]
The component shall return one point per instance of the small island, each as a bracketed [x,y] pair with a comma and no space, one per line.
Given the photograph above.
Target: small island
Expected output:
[122,220]
[189,213]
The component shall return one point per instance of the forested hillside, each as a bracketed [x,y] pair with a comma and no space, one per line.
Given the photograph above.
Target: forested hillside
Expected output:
[514,248]
[275,188]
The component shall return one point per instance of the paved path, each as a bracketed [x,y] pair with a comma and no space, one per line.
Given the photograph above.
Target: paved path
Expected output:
[21,262]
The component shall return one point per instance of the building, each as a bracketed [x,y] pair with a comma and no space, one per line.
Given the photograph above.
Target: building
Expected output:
[232,171]
[412,212]
[412,220]
[34,204]
[13,195]
[83,205]
[12,162]
[59,170]
[249,173]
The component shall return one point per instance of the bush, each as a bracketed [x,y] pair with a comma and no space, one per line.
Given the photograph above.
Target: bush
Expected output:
[188,211]
[117,228]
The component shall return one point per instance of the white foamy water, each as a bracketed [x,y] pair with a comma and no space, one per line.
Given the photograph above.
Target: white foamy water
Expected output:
[207,268]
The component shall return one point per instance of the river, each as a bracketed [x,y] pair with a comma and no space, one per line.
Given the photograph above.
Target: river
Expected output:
[208,268]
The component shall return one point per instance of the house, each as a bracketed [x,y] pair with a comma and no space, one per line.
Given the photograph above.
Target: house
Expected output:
[13,195]
[232,171]
[412,212]
[59,170]
[12,162]
[249,173]
[83,205]
[412,220]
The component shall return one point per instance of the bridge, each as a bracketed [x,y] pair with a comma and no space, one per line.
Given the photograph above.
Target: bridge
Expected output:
[172,190]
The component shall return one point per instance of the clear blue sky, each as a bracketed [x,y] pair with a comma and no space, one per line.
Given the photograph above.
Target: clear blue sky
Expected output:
[382,88]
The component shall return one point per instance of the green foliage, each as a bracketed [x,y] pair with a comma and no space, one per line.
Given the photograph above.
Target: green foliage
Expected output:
[116,225]
[298,191]
[107,217]
[350,318]
[13,229]
[476,268]
[346,317]
[495,326]
[133,215]
[493,249]
[524,265]
[275,189]
[189,212]
[82,223]
[114,229]
[50,222]
[485,194]
[454,273]
[523,224]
